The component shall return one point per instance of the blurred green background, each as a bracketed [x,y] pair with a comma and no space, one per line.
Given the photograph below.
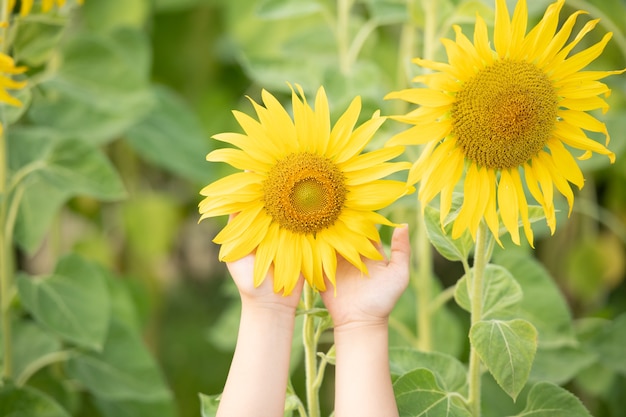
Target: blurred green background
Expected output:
[168,72]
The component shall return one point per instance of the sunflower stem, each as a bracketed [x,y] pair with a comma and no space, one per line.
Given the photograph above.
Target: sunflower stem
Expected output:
[423,287]
[310,354]
[481,254]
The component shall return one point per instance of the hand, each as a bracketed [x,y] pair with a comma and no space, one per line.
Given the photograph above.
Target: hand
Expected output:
[363,300]
[263,295]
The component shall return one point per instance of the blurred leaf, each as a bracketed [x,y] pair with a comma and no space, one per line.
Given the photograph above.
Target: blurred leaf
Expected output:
[548,400]
[209,404]
[36,38]
[451,249]
[31,342]
[284,9]
[102,16]
[177,5]
[609,344]
[11,114]
[135,408]
[500,292]
[122,371]
[73,302]
[543,303]
[507,348]
[418,394]
[26,401]
[65,169]
[100,88]
[172,138]
[451,374]
[559,365]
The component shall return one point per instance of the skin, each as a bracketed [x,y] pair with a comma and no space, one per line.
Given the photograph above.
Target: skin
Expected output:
[257,380]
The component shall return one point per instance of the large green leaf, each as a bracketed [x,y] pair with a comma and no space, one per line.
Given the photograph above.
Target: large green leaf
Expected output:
[549,400]
[30,343]
[500,293]
[28,402]
[36,38]
[122,371]
[100,89]
[418,394]
[73,302]
[543,303]
[507,348]
[172,138]
[452,374]
[62,169]
[608,344]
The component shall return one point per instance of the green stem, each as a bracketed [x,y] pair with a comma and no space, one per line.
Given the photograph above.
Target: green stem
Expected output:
[41,363]
[423,287]
[310,354]
[476,298]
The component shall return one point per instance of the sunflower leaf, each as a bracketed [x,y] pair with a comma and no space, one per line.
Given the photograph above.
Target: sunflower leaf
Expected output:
[73,302]
[27,401]
[507,348]
[501,292]
[548,400]
[418,394]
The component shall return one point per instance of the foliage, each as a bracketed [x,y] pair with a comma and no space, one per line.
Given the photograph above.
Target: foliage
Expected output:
[103,262]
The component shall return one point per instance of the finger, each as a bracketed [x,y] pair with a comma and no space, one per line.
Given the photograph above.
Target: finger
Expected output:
[400,247]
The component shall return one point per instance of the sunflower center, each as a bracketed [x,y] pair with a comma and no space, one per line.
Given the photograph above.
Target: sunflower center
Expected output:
[304,192]
[504,115]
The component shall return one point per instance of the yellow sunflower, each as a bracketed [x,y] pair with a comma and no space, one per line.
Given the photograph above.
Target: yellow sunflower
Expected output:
[7,66]
[494,114]
[306,192]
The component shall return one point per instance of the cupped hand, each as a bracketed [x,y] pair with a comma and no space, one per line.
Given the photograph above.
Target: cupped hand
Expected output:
[362,300]
[242,271]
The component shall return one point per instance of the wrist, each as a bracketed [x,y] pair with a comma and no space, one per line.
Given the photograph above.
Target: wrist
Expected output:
[362,325]
[264,308]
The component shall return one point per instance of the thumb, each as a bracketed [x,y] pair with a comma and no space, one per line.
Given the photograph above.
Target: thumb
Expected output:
[400,247]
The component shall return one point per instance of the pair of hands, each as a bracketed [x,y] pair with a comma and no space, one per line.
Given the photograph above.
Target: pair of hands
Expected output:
[359,300]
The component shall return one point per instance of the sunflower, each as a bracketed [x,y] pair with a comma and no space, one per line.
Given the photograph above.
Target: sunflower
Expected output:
[306,192]
[7,67]
[495,114]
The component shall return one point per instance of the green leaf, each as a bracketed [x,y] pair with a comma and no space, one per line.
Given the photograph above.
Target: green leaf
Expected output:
[73,302]
[26,401]
[31,342]
[209,404]
[172,138]
[451,374]
[103,16]
[285,9]
[559,365]
[451,249]
[388,11]
[543,304]
[548,400]
[122,371]
[609,344]
[36,39]
[100,89]
[507,348]
[63,169]
[500,292]
[418,394]
[133,408]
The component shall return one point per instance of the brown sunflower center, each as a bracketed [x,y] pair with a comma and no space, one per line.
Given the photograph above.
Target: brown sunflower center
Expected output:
[304,192]
[504,115]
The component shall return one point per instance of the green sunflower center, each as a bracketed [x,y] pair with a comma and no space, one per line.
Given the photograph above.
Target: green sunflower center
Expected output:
[505,114]
[304,192]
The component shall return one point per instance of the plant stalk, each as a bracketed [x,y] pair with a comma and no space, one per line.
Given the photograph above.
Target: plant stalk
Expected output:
[310,353]
[476,299]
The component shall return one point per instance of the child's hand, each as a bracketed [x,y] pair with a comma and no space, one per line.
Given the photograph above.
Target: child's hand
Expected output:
[263,295]
[364,300]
